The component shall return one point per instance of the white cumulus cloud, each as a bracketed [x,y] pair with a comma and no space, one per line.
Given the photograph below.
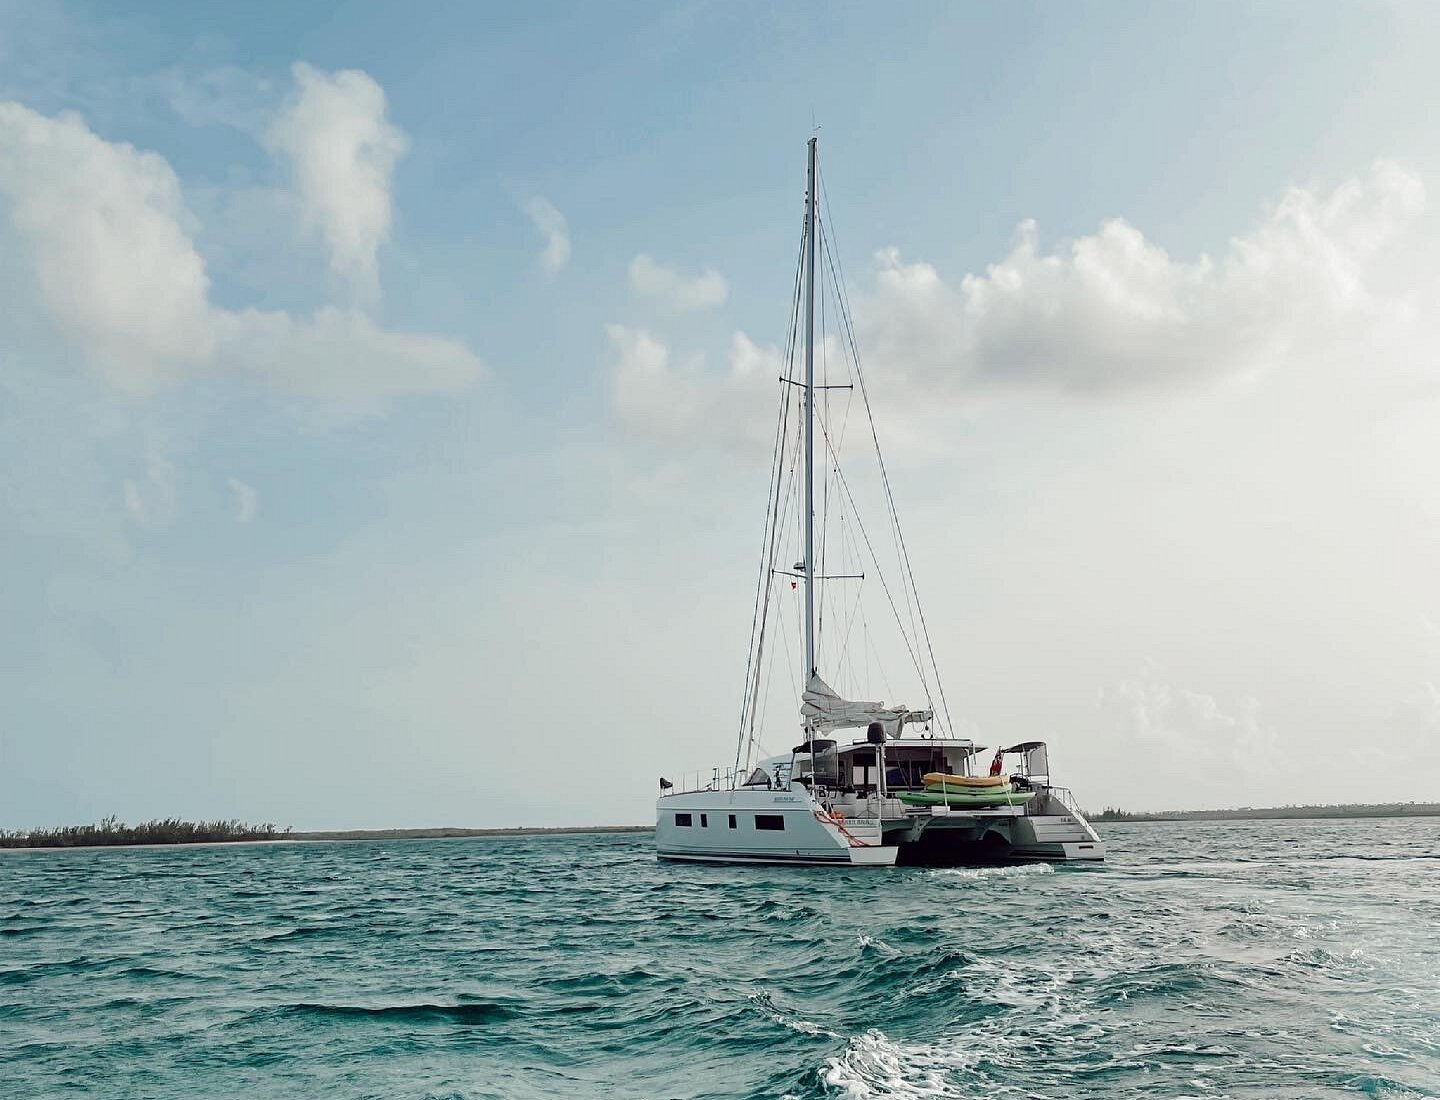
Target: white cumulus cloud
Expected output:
[111,258]
[343,150]
[1113,310]
[552,226]
[655,280]
[105,229]
[1108,313]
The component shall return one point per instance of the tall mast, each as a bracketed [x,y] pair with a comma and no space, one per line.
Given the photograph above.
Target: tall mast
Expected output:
[810,420]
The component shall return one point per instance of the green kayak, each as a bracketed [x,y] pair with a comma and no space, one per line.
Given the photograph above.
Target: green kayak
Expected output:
[957,798]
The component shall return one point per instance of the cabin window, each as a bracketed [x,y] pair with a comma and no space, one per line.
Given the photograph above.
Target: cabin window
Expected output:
[704,821]
[732,821]
[773,822]
[682,819]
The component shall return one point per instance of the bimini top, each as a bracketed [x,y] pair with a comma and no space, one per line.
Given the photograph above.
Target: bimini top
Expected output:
[820,744]
[1026,746]
[824,710]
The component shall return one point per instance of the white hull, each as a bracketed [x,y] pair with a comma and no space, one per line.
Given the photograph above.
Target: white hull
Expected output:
[790,827]
[760,826]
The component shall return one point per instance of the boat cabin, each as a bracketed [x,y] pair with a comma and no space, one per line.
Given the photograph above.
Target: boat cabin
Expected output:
[856,767]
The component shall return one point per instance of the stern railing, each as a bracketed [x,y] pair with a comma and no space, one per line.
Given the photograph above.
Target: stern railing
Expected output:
[1062,795]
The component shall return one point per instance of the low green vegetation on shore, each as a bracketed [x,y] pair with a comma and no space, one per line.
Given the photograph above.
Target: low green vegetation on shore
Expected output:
[169,831]
[1278,813]
[174,831]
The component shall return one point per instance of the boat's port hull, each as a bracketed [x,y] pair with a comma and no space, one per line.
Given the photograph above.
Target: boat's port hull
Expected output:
[878,856]
[764,826]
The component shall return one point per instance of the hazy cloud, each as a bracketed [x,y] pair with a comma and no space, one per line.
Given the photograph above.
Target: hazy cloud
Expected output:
[226,95]
[678,402]
[150,500]
[343,151]
[552,226]
[247,500]
[343,355]
[1181,728]
[655,280]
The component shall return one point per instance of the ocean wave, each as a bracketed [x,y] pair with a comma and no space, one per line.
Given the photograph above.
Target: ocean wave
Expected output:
[304,932]
[474,1013]
[1002,983]
[767,1007]
[615,983]
[870,943]
[1343,965]
[39,971]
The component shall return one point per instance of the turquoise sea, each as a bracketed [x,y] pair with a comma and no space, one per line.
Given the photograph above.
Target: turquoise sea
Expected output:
[1248,959]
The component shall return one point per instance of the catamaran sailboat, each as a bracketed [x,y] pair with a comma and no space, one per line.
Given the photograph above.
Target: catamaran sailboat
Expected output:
[867,784]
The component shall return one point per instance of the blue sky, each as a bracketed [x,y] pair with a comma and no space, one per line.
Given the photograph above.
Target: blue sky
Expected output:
[393,512]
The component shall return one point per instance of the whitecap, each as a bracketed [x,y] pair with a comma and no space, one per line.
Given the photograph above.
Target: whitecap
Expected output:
[879,945]
[873,1066]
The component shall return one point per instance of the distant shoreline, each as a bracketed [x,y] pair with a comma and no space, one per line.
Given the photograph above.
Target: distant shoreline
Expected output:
[1277,813]
[447,833]
[329,836]
[12,842]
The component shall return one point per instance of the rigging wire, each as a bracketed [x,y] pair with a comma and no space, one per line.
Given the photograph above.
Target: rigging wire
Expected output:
[879,573]
[777,535]
[849,329]
[825,470]
[892,517]
[760,610]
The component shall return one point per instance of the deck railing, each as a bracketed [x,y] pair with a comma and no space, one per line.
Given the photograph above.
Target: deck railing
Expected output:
[716,779]
[1062,795]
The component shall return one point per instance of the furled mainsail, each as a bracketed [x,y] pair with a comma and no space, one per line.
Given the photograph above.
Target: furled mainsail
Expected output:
[823,709]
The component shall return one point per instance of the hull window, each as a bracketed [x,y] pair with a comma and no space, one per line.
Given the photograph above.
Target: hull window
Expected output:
[704,821]
[682,819]
[732,821]
[772,822]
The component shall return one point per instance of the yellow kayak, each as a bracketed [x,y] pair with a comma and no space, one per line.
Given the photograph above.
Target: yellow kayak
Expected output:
[972,782]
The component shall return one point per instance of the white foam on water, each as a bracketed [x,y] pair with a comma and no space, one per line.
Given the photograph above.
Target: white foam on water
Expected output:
[995,872]
[805,1027]
[794,1023]
[879,945]
[874,1066]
